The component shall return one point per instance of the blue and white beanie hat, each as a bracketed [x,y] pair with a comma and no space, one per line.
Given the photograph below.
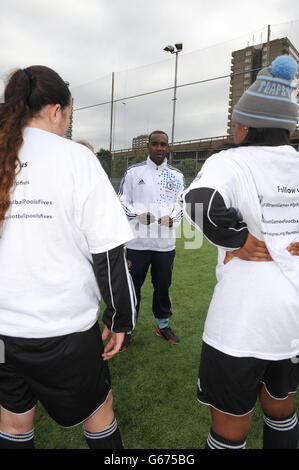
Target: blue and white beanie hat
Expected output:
[271,100]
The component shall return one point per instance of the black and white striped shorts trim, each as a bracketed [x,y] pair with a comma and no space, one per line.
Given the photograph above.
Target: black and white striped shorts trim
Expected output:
[28,436]
[215,444]
[283,424]
[102,434]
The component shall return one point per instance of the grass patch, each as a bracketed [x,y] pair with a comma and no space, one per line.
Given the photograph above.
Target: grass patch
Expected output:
[154,382]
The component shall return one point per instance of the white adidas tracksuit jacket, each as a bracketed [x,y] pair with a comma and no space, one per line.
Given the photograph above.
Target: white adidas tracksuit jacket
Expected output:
[147,187]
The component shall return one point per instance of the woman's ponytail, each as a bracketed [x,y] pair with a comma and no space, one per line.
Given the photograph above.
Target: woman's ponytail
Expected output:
[26,93]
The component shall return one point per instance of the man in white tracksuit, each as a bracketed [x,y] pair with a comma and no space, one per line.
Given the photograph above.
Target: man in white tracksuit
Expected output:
[148,193]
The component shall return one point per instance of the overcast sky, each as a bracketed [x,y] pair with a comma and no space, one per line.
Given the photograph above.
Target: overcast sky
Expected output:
[86,40]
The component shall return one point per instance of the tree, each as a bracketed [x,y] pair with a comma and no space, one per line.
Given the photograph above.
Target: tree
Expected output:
[118,167]
[187,167]
[104,157]
[137,159]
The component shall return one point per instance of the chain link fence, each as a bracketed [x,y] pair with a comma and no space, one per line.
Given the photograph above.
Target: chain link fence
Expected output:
[143,101]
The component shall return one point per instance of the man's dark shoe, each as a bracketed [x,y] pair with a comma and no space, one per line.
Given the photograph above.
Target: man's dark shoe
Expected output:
[126,342]
[167,334]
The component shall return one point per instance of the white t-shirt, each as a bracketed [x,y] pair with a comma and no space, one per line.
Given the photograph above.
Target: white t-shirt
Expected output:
[62,209]
[255,306]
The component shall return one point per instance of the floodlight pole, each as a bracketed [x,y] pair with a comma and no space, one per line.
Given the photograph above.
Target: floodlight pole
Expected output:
[111,115]
[174,104]
[174,50]
[268,45]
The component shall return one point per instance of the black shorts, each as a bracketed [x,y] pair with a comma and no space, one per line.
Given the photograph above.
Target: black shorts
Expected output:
[65,373]
[232,384]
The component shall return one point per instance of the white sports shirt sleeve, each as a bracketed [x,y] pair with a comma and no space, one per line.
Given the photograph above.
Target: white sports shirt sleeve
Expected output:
[126,196]
[103,224]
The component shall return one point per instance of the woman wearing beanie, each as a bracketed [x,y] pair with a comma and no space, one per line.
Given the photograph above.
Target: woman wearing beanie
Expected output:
[251,334]
[59,248]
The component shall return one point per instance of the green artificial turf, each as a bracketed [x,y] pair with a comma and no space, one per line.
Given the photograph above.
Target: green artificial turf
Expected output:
[154,382]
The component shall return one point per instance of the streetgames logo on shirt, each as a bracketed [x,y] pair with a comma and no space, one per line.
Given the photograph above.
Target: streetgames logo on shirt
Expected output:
[169,185]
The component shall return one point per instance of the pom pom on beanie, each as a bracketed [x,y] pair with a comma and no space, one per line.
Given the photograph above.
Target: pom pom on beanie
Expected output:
[284,66]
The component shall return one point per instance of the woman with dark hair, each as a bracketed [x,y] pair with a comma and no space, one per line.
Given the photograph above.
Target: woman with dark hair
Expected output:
[59,248]
[249,196]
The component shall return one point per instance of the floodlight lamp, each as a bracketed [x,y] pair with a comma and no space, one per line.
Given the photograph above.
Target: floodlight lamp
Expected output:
[179,46]
[169,49]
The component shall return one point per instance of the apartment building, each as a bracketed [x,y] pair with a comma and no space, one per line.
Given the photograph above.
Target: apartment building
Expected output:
[140,141]
[247,62]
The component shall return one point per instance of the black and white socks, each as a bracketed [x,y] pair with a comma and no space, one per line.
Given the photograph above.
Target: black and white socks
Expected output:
[215,441]
[17,441]
[280,433]
[108,438]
